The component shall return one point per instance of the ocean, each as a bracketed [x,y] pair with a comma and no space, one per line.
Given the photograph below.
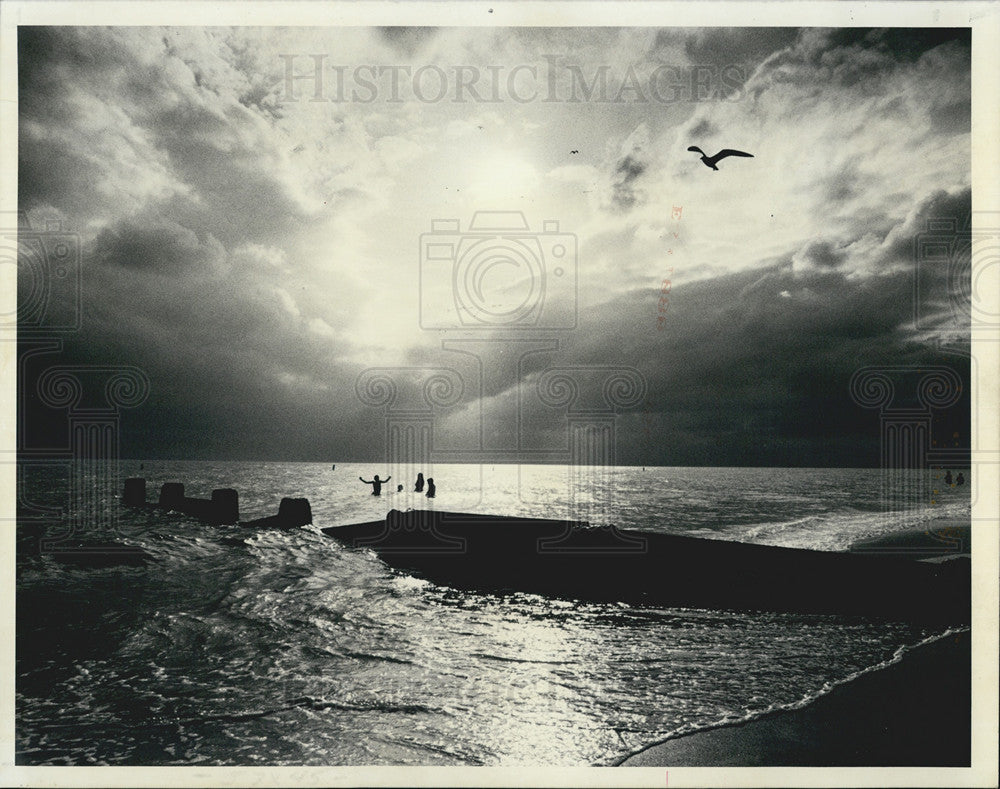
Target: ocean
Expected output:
[243,647]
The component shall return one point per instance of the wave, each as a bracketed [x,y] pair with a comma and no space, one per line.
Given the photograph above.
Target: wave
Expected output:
[463,757]
[807,699]
[382,658]
[370,706]
[504,659]
[300,702]
[838,531]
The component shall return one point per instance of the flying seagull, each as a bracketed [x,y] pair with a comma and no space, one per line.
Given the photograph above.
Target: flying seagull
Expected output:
[710,161]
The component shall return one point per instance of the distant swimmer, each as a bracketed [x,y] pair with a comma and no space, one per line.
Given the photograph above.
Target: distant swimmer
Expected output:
[959,480]
[376,484]
[399,489]
[419,487]
[431,490]
[711,161]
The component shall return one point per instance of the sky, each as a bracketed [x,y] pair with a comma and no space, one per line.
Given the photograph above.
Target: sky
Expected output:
[269,223]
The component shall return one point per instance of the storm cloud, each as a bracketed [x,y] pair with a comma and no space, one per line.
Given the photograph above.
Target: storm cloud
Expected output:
[256,255]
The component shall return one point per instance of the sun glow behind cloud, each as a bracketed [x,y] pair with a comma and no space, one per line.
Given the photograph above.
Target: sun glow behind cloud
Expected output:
[292,229]
[503,178]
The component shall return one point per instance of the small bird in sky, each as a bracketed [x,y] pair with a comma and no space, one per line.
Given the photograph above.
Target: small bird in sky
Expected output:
[711,161]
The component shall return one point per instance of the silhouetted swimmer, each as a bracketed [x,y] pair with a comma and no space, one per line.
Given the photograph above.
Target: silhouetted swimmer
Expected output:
[419,487]
[947,477]
[376,484]
[431,490]
[959,480]
[399,489]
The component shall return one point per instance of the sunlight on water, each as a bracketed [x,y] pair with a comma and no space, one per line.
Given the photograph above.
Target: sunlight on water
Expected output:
[246,647]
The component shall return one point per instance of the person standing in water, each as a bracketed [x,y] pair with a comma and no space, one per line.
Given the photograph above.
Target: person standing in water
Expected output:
[960,479]
[419,487]
[947,477]
[376,484]
[431,490]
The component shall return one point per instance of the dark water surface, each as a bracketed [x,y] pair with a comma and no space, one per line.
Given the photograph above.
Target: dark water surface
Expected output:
[236,647]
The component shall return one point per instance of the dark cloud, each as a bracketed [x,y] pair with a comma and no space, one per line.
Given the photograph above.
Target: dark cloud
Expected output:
[41,87]
[721,46]
[843,184]
[203,407]
[703,128]
[859,58]
[113,117]
[904,44]
[745,375]
[171,151]
[159,245]
[754,368]
[237,371]
[821,255]
[952,118]
[724,45]
[48,173]
[941,209]
[140,137]
[949,107]
[626,170]
[815,61]
[742,375]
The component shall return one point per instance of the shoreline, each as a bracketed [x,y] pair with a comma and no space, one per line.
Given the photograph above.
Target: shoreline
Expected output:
[913,713]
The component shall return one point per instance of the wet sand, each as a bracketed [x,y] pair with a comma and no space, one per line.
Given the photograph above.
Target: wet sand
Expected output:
[914,713]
